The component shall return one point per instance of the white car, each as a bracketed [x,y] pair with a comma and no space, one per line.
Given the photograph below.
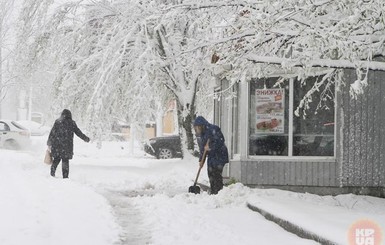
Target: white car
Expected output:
[36,129]
[13,136]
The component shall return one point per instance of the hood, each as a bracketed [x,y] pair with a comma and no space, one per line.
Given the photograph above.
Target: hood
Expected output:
[66,114]
[201,121]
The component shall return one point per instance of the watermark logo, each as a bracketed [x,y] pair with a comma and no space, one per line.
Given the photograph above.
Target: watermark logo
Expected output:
[365,232]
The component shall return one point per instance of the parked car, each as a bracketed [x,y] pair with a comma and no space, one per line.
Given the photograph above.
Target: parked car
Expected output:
[13,136]
[164,147]
[36,129]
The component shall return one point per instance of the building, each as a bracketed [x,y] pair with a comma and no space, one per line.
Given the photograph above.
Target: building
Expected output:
[339,149]
[166,124]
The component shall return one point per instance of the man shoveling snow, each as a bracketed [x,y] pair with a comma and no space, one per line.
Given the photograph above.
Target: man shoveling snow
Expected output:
[210,139]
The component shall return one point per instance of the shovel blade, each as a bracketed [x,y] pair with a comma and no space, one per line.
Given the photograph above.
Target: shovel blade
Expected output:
[194,189]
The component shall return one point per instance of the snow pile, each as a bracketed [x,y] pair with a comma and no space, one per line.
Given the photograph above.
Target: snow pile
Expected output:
[203,219]
[38,209]
[328,216]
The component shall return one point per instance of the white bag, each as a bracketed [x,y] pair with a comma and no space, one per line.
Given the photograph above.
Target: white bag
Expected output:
[48,157]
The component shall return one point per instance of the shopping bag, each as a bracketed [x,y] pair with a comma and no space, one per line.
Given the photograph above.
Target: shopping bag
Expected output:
[48,157]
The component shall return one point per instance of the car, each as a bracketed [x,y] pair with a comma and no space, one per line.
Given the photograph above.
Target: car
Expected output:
[13,136]
[36,129]
[164,147]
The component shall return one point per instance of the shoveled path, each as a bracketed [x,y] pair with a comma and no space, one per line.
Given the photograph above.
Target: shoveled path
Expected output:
[129,218]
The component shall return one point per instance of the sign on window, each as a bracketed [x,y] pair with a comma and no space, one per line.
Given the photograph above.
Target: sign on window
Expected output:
[270,111]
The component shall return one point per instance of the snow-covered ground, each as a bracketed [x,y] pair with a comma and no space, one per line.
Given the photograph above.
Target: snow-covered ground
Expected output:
[327,216]
[113,197]
[37,209]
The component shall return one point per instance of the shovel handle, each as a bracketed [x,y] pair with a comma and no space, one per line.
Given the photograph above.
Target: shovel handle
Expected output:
[196,179]
[201,165]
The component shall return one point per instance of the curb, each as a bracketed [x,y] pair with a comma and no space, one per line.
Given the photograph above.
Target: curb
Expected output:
[290,227]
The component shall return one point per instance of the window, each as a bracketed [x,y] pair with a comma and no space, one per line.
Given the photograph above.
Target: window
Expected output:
[269,111]
[313,129]
[18,126]
[4,127]
[278,127]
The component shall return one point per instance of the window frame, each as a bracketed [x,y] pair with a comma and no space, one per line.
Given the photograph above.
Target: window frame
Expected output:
[235,110]
[290,131]
[217,107]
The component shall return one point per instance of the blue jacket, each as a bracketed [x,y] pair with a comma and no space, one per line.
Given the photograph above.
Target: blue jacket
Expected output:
[218,155]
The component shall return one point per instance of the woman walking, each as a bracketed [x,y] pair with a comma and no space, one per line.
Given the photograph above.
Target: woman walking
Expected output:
[61,141]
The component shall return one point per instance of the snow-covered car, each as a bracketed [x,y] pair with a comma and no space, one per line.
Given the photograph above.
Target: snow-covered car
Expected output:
[164,147]
[36,129]
[13,136]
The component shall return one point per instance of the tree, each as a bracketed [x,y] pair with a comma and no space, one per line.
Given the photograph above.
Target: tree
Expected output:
[265,37]
[5,11]
[180,66]
[117,60]
[30,69]
[101,59]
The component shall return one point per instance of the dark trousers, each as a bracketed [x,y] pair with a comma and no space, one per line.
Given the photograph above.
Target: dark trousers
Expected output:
[65,166]
[215,177]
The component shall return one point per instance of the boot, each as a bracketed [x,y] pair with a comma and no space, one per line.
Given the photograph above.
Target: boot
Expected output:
[66,168]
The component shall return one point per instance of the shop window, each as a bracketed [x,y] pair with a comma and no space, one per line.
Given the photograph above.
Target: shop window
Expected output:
[275,128]
[313,128]
[269,110]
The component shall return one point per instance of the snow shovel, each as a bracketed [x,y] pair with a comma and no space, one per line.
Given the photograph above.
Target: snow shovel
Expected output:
[196,189]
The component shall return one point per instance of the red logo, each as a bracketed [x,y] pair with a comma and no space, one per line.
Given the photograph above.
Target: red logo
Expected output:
[365,232]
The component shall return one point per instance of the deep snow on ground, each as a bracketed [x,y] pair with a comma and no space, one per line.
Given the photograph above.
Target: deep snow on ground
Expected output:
[38,209]
[327,216]
[113,197]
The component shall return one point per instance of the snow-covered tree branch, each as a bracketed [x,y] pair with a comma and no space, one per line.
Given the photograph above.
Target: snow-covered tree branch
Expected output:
[115,59]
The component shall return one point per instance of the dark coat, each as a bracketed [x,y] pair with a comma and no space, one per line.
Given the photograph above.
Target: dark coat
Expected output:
[61,137]
[218,154]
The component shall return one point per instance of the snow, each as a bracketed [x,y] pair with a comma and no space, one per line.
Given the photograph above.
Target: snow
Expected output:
[38,209]
[113,197]
[203,219]
[371,65]
[327,216]
[34,127]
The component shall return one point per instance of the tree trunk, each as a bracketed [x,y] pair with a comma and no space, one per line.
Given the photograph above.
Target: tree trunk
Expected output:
[185,120]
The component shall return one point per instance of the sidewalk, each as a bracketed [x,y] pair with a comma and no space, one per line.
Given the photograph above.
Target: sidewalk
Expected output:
[38,209]
[324,219]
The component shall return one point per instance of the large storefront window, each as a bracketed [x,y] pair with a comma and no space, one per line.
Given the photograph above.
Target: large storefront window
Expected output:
[313,129]
[276,130]
[269,110]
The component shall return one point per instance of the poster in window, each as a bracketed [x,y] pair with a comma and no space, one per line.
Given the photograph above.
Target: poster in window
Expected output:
[270,111]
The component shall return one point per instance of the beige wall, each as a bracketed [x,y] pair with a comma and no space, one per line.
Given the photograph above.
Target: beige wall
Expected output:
[168,123]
